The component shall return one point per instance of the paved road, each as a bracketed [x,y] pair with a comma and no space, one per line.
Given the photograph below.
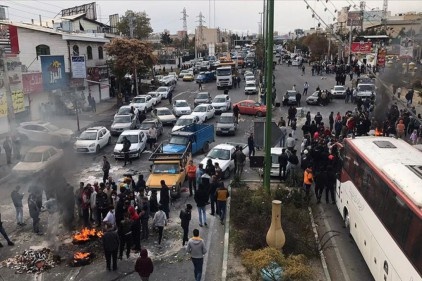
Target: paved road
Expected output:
[173,261]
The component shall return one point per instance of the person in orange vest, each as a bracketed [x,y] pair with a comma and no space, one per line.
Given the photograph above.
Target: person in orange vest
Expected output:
[308,179]
[191,170]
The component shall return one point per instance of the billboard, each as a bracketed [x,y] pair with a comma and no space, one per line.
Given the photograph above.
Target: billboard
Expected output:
[78,66]
[361,47]
[32,83]
[17,99]
[53,72]
[14,68]
[354,19]
[382,53]
[406,48]
[88,9]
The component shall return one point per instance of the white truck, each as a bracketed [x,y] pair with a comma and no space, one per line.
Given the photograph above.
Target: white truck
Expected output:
[224,77]
[223,155]
[365,91]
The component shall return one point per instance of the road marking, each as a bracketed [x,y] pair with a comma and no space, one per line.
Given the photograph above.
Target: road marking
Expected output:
[337,252]
[226,238]
[208,245]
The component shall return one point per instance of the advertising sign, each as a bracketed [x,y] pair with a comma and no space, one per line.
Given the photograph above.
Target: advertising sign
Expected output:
[382,53]
[32,83]
[406,48]
[78,67]
[354,19]
[18,102]
[361,47]
[53,72]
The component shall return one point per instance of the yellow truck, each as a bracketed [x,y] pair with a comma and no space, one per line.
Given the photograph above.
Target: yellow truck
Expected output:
[170,167]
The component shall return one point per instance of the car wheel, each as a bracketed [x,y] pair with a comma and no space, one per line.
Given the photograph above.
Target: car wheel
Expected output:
[97,148]
[139,154]
[259,114]
[347,221]
[226,174]
[109,141]
[206,147]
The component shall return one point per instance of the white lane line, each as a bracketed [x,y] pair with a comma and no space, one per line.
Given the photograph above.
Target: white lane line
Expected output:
[226,238]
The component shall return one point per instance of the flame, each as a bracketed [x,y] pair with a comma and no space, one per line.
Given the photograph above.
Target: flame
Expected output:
[86,234]
[81,255]
[378,132]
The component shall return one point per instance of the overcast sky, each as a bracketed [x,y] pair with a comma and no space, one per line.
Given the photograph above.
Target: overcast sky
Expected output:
[241,16]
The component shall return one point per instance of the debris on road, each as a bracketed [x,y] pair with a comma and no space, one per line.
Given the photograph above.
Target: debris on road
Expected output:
[32,261]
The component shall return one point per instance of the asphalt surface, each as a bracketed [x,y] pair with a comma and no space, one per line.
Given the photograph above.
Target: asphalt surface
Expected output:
[171,262]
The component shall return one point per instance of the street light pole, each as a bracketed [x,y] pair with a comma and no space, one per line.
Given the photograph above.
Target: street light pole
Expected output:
[269,85]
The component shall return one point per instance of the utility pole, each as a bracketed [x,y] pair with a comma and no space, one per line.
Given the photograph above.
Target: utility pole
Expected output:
[269,85]
[10,110]
[200,40]
[135,71]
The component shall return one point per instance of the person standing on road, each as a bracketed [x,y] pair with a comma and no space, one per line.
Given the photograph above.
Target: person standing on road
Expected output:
[308,179]
[17,202]
[106,168]
[282,160]
[144,215]
[152,136]
[251,145]
[86,196]
[34,213]
[144,265]
[199,85]
[236,114]
[215,183]
[111,245]
[239,159]
[196,248]
[331,120]
[199,172]
[191,170]
[305,88]
[126,150]
[201,199]
[159,221]
[290,142]
[185,217]
[170,96]
[165,198]
[7,146]
[222,194]
[135,228]
[298,98]
[3,232]
[238,81]
[102,205]
[16,142]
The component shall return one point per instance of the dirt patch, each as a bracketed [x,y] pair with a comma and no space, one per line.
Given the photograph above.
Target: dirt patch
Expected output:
[235,270]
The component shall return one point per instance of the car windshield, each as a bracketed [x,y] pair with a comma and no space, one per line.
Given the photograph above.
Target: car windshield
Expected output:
[146,125]
[181,104]
[219,100]
[139,100]
[249,78]
[123,111]
[184,71]
[257,104]
[51,127]
[131,138]
[122,119]
[88,136]
[33,157]
[291,94]
[200,109]
[226,119]
[184,122]
[163,112]
[222,154]
[202,96]
[166,168]
[179,140]
[223,72]
[274,158]
[362,88]
[153,94]
[249,84]
[339,88]
[162,89]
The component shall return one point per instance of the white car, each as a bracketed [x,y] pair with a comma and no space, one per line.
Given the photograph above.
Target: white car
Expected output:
[43,132]
[222,154]
[184,72]
[40,160]
[174,74]
[185,120]
[181,107]
[250,88]
[92,140]
[204,112]
[142,102]
[164,91]
[165,116]
[125,110]
[222,103]
[295,62]
[250,79]
[138,142]
[338,92]
[156,97]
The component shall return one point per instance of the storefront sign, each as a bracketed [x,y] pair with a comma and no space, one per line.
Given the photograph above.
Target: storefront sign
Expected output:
[381,57]
[18,103]
[361,47]
[78,67]
[53,72]
[32,83]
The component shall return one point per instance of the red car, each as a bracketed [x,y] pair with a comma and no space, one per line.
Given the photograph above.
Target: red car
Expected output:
[251,107]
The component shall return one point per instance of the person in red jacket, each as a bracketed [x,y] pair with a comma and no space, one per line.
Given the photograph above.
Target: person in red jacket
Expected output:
[144,265]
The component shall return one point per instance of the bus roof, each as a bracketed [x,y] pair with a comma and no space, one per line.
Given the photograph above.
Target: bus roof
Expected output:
[400,162]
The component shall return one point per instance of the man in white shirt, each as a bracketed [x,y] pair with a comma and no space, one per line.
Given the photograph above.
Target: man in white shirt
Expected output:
[305,89]
[152,136]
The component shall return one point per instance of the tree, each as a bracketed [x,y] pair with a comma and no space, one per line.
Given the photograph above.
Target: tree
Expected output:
[317,44]
[140,21]
[165,39]
[128,55]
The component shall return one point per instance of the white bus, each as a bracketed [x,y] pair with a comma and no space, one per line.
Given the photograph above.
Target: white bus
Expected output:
[379,195]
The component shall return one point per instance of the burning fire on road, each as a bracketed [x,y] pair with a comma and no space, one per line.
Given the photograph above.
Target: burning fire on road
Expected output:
[86,235]
[82,258]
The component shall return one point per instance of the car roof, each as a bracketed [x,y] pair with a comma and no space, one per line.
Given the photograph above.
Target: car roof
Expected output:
[202,105]
[161,108]
[252,101]
[188,116]
[41,148]
[130,132]
[125,106]
[35,123]
[179,101]
[142,96]
[97,128]
[220,96]
[207,93]
[227,114]
[124,115]
[150,120]
[276,150]
[224,146]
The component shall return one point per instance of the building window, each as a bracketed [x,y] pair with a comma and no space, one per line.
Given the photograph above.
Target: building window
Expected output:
[89,52]
[100,53]
[42,50]
[75,50]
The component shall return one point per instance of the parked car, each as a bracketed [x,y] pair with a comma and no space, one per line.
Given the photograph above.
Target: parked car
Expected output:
[143,103]
[312,99]
[148,123]
[204,112]
[39,161]
[165,116]
[185,120]
[92,140]
[44,132]
[251,107]
[181,107]
[138,142]
[250,79]
[290,98]
[168,81]
[221,103]
[338,92]
[188,77]
[156,97]
[226,124]
[122,123]
[174,74]
[184,72]
[125,110]
[164,91]
[250,88]
[202,97]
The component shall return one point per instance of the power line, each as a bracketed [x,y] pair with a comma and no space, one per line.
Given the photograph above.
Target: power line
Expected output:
[53,5]
[28,6]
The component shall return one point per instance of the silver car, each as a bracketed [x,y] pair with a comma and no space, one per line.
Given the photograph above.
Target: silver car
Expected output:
[122,123]
[40,161]
[226,124]
[44,132]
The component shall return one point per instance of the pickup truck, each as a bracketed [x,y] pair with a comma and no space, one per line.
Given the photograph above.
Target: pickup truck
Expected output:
[223,155]
[170,167]
[365,91]
[195,136]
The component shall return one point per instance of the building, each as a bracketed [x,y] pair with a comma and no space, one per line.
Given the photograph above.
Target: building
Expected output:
[205,36]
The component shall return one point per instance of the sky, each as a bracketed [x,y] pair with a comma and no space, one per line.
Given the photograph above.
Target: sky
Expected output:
[240,16]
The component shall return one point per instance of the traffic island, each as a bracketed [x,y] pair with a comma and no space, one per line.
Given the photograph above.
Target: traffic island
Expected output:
[249,257]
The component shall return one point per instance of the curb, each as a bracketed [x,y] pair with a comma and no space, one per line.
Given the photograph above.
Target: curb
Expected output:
[226,238]
[321,254]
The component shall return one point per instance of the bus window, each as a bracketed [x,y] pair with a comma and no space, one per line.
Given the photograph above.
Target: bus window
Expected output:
[413,242]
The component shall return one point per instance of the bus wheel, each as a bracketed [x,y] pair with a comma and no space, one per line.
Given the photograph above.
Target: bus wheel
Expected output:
[347,221]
